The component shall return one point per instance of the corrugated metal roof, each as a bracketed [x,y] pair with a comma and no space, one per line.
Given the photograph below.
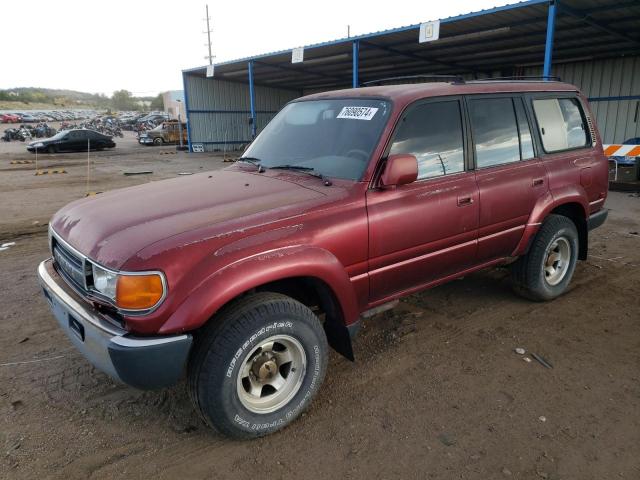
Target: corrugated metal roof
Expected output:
[507,39]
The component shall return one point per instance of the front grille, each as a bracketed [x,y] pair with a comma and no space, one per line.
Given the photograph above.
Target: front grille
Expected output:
[70,265]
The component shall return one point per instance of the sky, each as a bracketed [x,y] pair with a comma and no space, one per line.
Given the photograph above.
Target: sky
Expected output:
[142,46]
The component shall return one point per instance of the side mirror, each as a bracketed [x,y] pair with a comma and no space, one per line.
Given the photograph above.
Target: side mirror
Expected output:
[400,170]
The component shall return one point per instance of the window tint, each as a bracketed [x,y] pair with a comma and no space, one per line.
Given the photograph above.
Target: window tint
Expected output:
[560,123]
[495,134]
[526,143]
[433,133]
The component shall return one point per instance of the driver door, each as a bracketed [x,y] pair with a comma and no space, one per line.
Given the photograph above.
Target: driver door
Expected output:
[424,231]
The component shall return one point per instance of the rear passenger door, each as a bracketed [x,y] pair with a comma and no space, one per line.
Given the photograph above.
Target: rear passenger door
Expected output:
[511,178]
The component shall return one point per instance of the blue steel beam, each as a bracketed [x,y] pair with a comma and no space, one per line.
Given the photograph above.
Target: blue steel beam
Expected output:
[186,109]
[252,101]
[356,55]
[589,20]
[548,48]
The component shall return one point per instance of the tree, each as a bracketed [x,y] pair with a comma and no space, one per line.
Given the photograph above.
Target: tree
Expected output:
[122,100]
[157,103]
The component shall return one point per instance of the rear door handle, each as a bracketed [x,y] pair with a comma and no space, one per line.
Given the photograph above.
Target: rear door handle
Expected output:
[464,201]
[538,181]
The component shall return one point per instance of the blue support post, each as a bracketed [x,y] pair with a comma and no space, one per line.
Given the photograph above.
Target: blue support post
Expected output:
[356,55]
[252,100]
[186,109]
[548,48]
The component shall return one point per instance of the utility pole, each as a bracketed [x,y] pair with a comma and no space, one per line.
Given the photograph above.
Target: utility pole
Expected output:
[209,57]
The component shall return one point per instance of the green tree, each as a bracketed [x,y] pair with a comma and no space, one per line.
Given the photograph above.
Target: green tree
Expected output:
[122,100]
[157,103]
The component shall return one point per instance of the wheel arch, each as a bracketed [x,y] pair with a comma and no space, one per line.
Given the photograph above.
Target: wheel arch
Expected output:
[312,276]
[573,205]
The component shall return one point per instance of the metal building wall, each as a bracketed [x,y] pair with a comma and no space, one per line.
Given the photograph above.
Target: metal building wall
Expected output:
[219,111]
[607,83]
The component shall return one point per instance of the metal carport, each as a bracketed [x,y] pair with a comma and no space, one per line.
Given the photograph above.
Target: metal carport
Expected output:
[592,43]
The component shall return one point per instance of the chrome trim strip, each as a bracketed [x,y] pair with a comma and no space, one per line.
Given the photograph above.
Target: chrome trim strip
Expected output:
[147,342]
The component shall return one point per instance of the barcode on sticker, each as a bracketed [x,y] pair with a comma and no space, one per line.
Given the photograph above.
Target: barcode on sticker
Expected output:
[357,113]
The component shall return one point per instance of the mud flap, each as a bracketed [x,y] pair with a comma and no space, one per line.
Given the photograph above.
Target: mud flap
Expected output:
[339,338]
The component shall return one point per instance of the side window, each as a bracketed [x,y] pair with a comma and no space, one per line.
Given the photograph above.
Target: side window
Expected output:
[561,124]
[526,143]
[433,133]
[495,134]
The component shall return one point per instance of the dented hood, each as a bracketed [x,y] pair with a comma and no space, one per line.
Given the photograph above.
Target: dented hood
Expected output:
[112,227]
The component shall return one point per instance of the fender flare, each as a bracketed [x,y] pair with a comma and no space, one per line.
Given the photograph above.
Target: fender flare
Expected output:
[546,204]
[227,283]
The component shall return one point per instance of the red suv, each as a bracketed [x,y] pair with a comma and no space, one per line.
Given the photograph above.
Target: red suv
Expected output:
[345,202]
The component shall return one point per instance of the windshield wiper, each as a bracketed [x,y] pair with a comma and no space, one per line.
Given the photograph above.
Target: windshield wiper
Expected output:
[252,161]
[307,170]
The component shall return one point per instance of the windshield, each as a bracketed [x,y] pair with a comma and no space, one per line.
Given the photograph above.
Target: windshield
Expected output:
[333,137]
[59,135]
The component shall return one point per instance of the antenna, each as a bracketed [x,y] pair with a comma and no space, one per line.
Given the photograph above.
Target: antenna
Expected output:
[209,57]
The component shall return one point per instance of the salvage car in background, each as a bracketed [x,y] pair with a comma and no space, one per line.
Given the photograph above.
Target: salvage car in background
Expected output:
[73,141]
[166,132]
[9,118]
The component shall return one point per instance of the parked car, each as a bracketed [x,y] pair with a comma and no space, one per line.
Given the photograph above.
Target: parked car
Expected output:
[9,118]
[166,132]
[29,118]
[347,201]
[72,141]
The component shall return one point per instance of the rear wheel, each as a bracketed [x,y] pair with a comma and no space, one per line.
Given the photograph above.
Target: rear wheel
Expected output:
[258,365]
[545,271]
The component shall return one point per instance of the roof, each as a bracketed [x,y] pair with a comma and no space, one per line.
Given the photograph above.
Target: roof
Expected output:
[406,93]
[503,39]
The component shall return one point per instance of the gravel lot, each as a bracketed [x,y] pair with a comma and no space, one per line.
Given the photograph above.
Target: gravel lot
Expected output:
[436,392]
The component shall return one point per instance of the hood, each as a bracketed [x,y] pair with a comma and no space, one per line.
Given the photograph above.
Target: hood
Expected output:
[112,227]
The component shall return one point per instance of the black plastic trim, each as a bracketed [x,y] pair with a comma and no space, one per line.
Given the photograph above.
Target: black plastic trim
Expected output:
[597,219]
[151,366]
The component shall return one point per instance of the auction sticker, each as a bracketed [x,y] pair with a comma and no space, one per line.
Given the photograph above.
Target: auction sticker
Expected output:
[357,113]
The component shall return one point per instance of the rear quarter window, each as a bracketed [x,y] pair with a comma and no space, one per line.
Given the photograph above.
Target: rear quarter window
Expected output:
[561,124]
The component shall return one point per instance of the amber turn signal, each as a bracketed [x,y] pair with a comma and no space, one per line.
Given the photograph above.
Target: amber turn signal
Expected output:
[138,292]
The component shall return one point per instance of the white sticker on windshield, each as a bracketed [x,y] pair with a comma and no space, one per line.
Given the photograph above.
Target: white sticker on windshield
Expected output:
[357,113]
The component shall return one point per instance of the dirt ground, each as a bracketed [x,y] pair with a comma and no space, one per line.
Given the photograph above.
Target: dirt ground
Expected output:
[436,392]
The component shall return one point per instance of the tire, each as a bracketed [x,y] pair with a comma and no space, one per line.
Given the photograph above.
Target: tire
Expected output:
[52,149]
[545,271]
[158,141]
[227,365]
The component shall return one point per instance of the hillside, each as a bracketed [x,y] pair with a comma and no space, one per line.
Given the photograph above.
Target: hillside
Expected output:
[31,98]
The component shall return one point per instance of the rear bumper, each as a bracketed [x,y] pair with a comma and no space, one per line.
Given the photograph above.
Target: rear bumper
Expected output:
[597,219]
[142,362]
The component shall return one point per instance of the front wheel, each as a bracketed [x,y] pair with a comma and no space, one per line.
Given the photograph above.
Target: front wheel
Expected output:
[158,141]
[258,365]
[545,271]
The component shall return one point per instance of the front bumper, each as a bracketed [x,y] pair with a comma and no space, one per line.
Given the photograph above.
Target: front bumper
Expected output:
[145,141]
[142,362]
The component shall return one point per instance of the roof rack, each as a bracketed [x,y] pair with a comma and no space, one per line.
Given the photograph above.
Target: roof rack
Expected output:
[457,79]
[521,78]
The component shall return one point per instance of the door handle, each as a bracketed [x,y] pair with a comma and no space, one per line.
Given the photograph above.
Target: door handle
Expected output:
[538,181]
[464,201]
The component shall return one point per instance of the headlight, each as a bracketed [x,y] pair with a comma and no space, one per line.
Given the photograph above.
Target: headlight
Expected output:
[104,282]
[37,145]
[129,291]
